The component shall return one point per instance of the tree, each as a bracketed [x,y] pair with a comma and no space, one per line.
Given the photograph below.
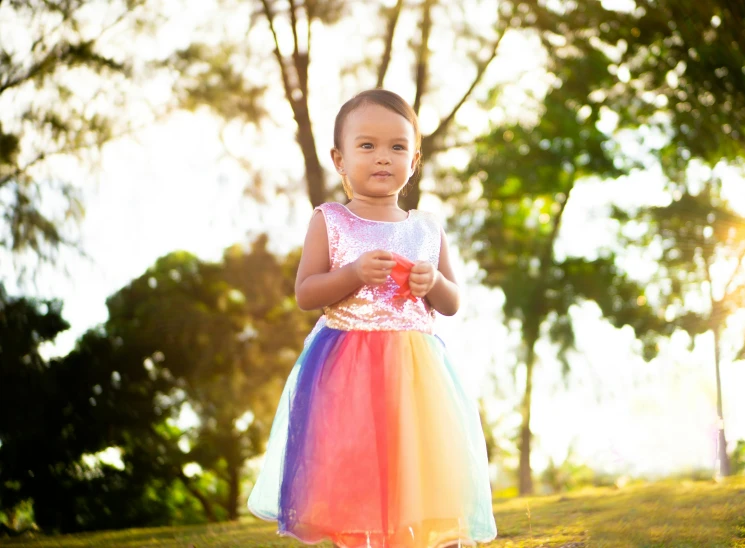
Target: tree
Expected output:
[53,414]
[675,66]
[58,82]
[657,69]
[527,175]
[24,325]
[232,96]
[678,77]
[699,235]
[222,338]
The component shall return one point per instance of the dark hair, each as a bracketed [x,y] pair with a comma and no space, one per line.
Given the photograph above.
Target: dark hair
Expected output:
[381,97]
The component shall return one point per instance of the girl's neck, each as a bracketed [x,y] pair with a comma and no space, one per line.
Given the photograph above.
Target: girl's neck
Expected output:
[384,208]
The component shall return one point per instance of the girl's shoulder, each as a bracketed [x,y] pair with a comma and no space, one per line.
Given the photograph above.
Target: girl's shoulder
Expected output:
[329,206]
[426,218]
[426,215]
[332,212]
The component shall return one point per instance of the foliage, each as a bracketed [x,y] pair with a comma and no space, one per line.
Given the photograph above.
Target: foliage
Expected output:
[216,77]
[524,175]
[671,65]
[692,233]
[220,337]
[737,458]
[57,413]
[701,258]
[59,84]
[570,475]
[25,390]
[610,71]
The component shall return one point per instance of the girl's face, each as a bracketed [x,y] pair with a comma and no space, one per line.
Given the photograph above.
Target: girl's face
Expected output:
[377,152]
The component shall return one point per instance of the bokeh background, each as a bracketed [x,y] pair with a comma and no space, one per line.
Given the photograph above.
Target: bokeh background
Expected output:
[159,161]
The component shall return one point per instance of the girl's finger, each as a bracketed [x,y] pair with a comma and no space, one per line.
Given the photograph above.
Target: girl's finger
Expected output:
[381,254]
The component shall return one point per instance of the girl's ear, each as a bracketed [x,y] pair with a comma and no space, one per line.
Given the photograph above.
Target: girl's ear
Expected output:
[415,162]
[337,159]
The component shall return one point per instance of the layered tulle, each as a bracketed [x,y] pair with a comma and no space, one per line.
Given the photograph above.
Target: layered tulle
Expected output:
[375,443]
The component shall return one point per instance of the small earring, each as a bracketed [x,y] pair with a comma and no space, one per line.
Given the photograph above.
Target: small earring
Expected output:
[341,171]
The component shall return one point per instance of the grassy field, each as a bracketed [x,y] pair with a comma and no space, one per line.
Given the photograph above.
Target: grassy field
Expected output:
[670,513]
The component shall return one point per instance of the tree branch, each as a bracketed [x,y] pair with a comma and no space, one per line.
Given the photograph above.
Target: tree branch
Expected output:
[296,46]
[62,51]
[285,79]
[422,64]
[310,14]
[434,149]
[390,30]
[481,69]
[734,273]
[548,252]
[59,53]
[204,501]
[713,301]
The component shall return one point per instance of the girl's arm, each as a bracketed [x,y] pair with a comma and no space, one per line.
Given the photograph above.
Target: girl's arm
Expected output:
[316,286]
[438,285]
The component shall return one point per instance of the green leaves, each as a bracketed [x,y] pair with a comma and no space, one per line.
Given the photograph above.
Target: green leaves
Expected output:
[697,234]
[222,337]
[213,77]
[217,339]
[58,87]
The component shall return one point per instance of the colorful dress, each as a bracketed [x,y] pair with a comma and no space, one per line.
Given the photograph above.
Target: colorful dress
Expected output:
[375,442]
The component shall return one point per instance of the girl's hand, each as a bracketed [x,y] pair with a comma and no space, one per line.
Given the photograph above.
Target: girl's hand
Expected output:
[374,267]
[422,278]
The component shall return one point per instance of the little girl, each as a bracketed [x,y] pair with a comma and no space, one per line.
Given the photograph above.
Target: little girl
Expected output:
[375,442]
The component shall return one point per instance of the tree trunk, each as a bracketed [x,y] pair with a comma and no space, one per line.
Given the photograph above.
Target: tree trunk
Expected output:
[203,500]
[314,175]
[233,485]
[409,198]
[526,474]
[389,32]
[722,457]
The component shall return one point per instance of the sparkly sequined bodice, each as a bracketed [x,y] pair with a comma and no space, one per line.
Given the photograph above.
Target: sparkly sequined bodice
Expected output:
[377,308]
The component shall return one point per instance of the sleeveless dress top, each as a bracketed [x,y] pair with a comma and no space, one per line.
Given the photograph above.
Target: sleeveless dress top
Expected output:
[376,307]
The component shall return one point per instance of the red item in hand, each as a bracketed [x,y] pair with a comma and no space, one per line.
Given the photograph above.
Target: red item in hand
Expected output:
[400,275]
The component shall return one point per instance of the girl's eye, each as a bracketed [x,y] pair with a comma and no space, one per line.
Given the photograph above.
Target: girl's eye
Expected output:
[399,147]
[366,145]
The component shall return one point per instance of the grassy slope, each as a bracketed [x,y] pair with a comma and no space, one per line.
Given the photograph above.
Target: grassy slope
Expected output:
[676,514]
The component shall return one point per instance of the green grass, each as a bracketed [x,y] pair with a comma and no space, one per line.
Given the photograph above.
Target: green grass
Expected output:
[676,514]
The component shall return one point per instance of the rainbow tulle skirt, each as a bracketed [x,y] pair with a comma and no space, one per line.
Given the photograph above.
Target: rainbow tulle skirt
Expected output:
[375,443]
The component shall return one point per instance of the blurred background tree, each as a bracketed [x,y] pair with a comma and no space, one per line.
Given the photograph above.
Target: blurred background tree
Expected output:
[737,460]
[701,281]
[649,75]
[524,177]
[61,88]
[231,94]
[25,389]
[218,339]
